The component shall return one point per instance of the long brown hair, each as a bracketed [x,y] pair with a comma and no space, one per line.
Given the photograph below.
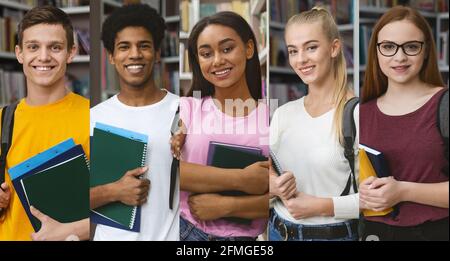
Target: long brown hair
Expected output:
[375,82]
[243,29]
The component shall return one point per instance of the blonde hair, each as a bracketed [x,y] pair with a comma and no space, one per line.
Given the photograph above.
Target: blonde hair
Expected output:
[331,31]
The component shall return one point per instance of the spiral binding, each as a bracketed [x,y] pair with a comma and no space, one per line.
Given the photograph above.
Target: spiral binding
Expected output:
[276,164]
[143,161]
[88,164]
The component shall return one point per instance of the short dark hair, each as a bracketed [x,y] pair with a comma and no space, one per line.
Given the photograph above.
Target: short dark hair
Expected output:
[46,15]
[133,15]
[243,29]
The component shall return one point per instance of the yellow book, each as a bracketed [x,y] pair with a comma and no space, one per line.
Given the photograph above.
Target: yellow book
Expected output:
[366,170]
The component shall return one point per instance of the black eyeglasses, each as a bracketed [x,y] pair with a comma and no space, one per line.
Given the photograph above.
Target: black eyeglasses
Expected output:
[411,48]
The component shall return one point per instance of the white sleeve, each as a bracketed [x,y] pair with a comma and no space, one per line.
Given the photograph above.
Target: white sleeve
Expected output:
[347,207]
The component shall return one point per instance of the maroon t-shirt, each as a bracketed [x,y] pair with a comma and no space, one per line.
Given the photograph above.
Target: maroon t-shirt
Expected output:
[414,150]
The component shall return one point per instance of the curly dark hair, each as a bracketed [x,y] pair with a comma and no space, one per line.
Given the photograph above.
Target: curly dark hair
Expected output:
[140,15]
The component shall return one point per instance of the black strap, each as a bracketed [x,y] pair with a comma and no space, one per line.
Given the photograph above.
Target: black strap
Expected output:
[6,136]
[175,167]
[443,122]
[349,133]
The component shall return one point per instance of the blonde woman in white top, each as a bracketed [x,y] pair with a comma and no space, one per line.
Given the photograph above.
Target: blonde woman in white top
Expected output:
[306,136]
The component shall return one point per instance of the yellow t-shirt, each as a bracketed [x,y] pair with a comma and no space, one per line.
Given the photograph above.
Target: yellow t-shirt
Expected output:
[37,128]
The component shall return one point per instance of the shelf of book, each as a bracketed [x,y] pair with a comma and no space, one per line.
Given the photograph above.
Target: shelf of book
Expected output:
[436,13]
[281,74]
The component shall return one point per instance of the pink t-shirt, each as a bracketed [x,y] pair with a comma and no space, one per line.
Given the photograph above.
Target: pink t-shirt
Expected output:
[205,123]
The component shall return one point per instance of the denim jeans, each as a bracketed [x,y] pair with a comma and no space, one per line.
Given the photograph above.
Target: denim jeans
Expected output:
[275,235]
[188,232]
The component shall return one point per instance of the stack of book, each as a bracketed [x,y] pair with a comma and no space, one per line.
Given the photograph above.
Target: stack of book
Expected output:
[56,182]
[372,163]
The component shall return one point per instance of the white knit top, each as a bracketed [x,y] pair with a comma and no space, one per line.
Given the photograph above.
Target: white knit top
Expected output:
[308,147]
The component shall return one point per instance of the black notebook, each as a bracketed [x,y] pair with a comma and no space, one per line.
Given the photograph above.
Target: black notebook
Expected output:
[232,156]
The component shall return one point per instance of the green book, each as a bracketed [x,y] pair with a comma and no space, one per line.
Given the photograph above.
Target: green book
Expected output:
[60,191]
[112,155]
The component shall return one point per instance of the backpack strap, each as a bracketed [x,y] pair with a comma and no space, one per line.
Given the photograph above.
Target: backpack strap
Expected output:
[349,133]
[443,122]
[6,137]
[175,166]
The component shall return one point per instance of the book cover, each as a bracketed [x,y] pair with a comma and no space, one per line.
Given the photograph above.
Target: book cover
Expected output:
[232,156]
[378,161]
[114,152]
[365,171]
[72,152]
[60,191]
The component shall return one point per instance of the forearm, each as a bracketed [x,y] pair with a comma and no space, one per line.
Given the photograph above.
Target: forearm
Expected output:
[323,207]
[250,207]
[102,195]
[206,179]
[81,228]
[433,194]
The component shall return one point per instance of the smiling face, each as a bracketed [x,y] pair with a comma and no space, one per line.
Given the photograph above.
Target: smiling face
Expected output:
[44,55]
[134,57]
[222,56]
[401,68]
[310,52]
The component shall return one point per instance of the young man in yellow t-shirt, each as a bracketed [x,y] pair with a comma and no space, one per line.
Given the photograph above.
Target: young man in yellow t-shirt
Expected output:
[48,115]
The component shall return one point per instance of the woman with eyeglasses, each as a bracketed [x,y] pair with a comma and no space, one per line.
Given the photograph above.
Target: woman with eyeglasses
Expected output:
[400,98]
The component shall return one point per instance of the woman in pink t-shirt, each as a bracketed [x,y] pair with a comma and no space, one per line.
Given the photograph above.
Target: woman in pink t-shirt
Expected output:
[400,98]
[223,106]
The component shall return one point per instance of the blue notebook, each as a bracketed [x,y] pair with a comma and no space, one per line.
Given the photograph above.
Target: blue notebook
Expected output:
[39,159]
[71,153]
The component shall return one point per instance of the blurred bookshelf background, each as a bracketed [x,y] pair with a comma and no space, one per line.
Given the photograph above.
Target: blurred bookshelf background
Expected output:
[435,11]
[285,84]
[12,80]
[106,83]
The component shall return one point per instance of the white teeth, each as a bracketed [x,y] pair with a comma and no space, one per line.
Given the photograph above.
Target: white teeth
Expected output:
[135,67]
[307,69]
[222,72]
[43,68]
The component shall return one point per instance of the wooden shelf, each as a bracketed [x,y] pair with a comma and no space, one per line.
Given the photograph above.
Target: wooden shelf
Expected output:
[277,25]
[172,19]
[112,3]
[7,55]
[81,59]
[172,59]
[382,10]
[15,5]
[346,27]
[185,76]
[76,10]
[281,70]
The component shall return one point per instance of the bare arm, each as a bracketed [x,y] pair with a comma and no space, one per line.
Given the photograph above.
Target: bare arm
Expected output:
[213,206]
[433,194]
[129,190]
[384,193]
[206,179]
